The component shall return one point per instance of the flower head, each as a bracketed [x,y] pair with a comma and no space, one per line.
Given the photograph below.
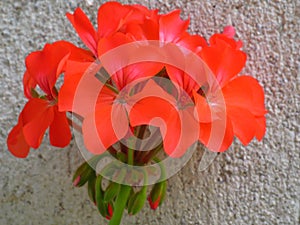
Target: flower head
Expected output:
[143,85]
[243,96]
[222,101]
[41,111]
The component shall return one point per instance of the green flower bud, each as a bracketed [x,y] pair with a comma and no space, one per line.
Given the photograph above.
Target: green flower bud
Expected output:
[83,174]
[91,189]
[111,192]
[137,201]
[157,194]
[102,207]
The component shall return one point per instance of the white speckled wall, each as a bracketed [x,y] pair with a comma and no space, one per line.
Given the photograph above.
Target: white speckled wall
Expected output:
[257,184]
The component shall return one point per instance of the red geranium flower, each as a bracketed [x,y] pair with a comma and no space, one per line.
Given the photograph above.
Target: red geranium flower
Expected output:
[177,123]
[242,106]
[41,112]
[99,116]
[243,96]
[113,17]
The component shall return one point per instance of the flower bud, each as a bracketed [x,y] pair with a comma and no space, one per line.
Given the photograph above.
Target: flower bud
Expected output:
[111,192]
[102,207]
[83,174]
[91,189]
[157,194]
[137,201]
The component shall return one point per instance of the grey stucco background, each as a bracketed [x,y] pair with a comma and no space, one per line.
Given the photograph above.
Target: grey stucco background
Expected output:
[257,184]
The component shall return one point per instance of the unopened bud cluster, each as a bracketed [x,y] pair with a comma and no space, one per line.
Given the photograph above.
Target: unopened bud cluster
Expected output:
[104,198]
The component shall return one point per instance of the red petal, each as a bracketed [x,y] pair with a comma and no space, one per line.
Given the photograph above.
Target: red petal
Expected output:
[228,63]
[203,108]
[245,92]
[141,23]
[186,82]
[16,142]
[156,111]
[140,9]
[136,71]
[104,127]
[85,29]
[154,106]
[149,108]
[148,30]
[109,43]
[170,129]
[188,132]
[227,37]
[229,31]
[217,136]
[81,88]
[37,115]
[113,12]
[171,27]
[74,72]
[123,71]
[194,43]
[29,83]
[178,128]
[118,16]
[152,89]
[45,66]
[60,134]
[79,62]
[261,127]
[243,123]
[76,54]
[110,210]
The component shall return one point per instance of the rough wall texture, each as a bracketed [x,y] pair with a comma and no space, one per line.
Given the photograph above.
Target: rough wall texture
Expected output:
[257,184]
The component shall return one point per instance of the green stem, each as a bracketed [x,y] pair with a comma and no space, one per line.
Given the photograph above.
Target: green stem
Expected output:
[122,197]
[130,156]
[112,88]
[162,168]
[120,204]
[140,134]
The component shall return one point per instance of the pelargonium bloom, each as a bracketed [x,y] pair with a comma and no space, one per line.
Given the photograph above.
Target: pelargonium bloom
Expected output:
[113,17]
[110,104]
[177,122]
[244,97]
[41,111]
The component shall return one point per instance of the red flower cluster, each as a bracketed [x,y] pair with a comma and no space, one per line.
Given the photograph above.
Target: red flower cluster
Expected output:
[131,96]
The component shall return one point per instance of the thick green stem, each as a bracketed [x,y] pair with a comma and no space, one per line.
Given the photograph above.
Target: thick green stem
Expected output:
[122,197]
[120,204]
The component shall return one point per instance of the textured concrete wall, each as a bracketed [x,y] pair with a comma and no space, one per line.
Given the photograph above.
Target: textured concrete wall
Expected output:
[257,184]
